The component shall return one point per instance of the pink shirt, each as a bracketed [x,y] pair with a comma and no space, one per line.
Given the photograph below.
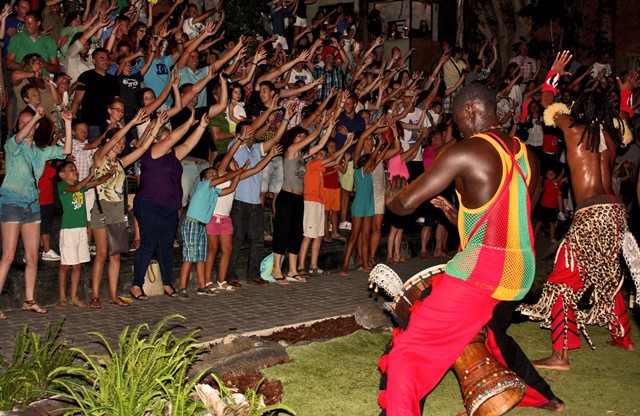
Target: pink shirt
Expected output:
[398,167]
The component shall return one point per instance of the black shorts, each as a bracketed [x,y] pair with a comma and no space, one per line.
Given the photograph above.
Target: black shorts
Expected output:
[46,215]
[545,214]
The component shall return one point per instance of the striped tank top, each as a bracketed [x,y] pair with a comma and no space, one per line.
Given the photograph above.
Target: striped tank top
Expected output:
[496,240]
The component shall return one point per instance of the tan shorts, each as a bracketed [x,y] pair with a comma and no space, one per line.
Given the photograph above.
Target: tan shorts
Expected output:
[313,219]
[331,199]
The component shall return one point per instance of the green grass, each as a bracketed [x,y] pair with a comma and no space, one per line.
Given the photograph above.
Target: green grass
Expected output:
[340,377]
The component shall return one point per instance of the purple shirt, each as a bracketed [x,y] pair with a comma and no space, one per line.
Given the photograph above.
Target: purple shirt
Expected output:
[160,179]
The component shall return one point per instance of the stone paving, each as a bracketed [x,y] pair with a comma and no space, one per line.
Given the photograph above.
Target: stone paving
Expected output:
[249,309]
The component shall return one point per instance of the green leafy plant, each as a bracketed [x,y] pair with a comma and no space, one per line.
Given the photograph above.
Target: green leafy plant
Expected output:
[225,402]
[30,373]
[143,376]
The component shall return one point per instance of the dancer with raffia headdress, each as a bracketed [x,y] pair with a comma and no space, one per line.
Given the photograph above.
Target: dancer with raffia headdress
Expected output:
[589,257]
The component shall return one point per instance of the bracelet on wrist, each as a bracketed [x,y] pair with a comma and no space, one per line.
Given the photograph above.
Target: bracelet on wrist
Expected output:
[286,120]
[204,127]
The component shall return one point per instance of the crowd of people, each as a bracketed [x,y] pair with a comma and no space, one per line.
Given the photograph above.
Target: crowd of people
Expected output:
[312,125]
[310,122]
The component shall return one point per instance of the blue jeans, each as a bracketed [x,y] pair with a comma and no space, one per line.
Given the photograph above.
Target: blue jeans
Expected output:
[158,225]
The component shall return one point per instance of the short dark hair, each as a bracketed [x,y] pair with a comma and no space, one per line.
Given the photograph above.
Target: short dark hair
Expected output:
[99,50]
[24,92]
[62,166]
[269,85]
[477,93]
[35,14]
[204,172]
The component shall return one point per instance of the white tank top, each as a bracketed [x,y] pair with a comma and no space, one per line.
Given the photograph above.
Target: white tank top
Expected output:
[224,204]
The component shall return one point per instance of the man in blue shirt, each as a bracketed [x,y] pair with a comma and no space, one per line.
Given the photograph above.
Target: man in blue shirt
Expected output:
[247,213]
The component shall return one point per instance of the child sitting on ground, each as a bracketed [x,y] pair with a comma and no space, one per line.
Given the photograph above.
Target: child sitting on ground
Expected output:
[194,232]
[314,209]
[74,243]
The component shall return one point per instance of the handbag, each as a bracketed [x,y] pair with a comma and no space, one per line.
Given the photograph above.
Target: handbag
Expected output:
[117,234]
[152,285]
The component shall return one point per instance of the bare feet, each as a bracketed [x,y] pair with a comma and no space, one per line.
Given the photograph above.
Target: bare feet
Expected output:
[2,316]
[344,272]
[629,347]
[553,362]
[555,405]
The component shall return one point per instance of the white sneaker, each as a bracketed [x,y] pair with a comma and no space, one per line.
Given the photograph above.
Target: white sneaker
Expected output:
[561,217]
[345,225]
[50,255]
[420,220]
[92,250]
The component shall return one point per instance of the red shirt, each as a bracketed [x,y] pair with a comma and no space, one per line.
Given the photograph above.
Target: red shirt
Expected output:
[45,184]
[550,144]
[331,179]
[551,193]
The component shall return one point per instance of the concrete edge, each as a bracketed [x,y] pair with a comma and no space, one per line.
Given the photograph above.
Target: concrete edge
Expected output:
[269,331]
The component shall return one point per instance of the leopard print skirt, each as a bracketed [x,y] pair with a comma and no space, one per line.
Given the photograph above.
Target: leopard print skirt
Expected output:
[593,245]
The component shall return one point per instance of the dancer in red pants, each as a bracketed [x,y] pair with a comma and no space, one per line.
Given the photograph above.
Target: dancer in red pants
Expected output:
[588,260]
[494,175]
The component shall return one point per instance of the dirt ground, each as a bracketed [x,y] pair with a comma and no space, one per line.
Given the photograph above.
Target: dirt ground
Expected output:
[272,390]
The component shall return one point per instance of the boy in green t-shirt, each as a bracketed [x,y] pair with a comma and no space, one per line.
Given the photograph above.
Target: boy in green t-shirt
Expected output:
[74,244]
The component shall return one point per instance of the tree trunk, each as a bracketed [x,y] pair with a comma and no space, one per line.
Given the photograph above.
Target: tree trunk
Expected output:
[460,23]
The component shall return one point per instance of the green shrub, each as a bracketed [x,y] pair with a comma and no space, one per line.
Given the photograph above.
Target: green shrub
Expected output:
[30,373]
[142,376]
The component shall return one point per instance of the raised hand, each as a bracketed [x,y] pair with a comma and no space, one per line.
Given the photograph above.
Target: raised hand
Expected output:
[275,150]
[304,55]
[629,82]
[562,60]
[247,133]
[163,117]
[140,117]
[290,111]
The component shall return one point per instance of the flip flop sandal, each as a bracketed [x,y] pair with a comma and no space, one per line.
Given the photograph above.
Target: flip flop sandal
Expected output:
[296,278]
[141,296]
[304,272]
[315,271]
[281,281]
[95,304]
[172,294]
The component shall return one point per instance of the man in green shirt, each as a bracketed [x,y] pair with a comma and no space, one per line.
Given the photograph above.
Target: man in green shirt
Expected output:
[31,40]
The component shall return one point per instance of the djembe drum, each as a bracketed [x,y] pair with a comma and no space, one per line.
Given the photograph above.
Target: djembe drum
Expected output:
[488,388]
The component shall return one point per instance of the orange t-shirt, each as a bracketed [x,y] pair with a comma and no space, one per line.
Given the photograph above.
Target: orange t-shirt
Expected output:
[314,182]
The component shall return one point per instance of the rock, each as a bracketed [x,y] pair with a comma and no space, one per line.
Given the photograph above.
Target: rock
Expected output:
[372,316]
[240,355]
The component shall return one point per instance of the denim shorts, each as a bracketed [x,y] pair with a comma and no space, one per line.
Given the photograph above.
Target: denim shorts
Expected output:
[272,176]
[22,215]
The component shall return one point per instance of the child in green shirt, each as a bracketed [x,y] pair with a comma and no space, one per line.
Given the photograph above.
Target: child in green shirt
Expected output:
[74,243]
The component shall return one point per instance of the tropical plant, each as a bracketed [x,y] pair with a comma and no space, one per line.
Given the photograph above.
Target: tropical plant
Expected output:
[224,402]
[30,373]
[145,375]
